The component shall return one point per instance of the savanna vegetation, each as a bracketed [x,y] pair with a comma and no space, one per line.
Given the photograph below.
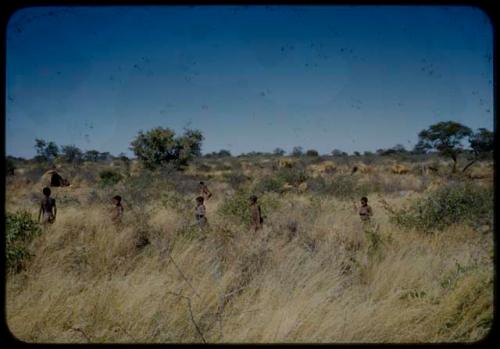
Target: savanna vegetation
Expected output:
[420,271]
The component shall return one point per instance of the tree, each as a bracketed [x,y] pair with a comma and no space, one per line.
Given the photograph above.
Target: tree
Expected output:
[123,157]
[40,146]
[419,148]
[337,152]
[47,151]
[224,153]
[159,146]
[188,146]
[367,153]
[446,138]
[71,153]
[399,148]
[91,155]
[278,152]
[297,151]
[482,145]
[312,152]
[105,156]
[356,153]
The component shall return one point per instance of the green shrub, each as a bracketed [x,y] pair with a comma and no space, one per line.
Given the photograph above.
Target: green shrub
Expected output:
[454,203]
[237,207]
[343,187]
[20,230]
[173,200]
[142,188]
[317,185]
[109,177]
[235,179]
[269,184]
[293,176]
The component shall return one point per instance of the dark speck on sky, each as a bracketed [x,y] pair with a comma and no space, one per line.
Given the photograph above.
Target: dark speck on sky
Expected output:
[379,74]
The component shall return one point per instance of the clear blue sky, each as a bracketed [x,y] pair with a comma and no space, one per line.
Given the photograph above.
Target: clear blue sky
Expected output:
[250,78]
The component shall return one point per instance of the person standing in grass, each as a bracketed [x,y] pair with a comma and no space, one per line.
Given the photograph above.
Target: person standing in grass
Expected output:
[200,212]
[365,211]
[257,219]
[117,212]
[203,191]
[48,209]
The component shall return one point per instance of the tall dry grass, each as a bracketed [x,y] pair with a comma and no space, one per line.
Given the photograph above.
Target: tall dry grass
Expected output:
[314,274]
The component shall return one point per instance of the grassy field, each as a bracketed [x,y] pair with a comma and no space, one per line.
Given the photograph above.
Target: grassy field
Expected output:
[314,274]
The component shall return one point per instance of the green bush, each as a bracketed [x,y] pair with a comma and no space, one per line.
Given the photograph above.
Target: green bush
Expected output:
[454,203]
[160,146]
[343,187]
[235,179]
[142,188]
[317,185]
[109,177]
[269,184]
[293,176]
[237,207]
[20,230]
[173,200]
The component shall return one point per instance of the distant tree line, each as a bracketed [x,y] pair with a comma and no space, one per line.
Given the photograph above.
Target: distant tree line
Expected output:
[223,153]
[50,151]
[160,146]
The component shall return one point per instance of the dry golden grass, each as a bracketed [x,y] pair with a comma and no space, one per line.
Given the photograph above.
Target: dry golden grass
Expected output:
[322,281]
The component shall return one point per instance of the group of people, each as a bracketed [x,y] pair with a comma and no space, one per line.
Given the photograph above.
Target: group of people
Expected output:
[48,209]
[201,212]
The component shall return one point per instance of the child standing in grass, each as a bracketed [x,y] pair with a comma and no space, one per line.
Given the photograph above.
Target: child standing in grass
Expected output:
[365,211]
[203,191]
[47,208]
[117,212]
[256,213]
[200,212]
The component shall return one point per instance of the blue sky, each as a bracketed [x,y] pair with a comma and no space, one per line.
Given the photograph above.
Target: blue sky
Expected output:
[250,78]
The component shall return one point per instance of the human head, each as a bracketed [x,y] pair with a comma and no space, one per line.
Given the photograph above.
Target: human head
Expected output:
[364,200]
[202,183]
[46,191]
[117,199]
[253,199]
[199,200]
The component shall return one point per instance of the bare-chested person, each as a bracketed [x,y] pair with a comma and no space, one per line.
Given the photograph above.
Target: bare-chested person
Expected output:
[257,219]
[200,212]
[48,209]
[117,212]
[203,191]
[365,211]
